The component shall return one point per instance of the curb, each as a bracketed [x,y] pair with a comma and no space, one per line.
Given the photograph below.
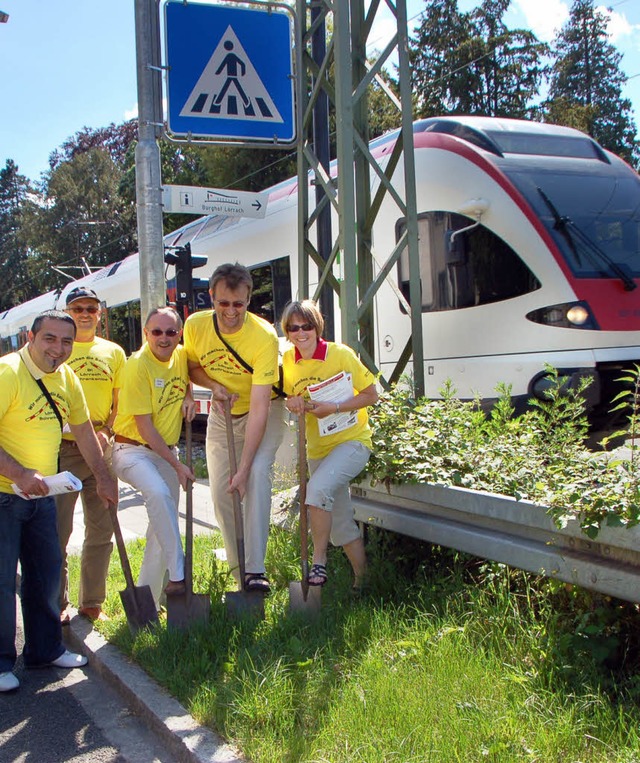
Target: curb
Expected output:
[165,716]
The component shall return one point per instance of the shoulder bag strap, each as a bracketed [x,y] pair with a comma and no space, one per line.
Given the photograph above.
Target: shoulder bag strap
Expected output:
[278,390]
[47,395]
[50,400]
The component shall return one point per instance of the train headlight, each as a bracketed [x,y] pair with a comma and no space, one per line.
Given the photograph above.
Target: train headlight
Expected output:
[578,315]
[569,315]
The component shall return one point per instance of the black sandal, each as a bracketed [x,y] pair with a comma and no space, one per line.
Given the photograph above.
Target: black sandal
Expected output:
[256,582]
[318,571]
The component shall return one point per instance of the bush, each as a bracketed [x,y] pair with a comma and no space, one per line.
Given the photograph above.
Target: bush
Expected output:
[540,456]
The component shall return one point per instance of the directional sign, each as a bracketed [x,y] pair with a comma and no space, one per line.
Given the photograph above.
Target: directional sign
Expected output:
[193,200]
[230,72]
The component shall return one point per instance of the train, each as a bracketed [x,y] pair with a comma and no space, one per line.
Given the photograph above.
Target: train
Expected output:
[529,248]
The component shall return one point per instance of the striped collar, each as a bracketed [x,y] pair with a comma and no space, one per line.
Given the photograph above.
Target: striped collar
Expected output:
[320,353]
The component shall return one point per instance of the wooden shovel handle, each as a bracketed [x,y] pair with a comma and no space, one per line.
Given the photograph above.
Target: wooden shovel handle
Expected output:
[302,497]
[188,535]
[237,507]
[122,550]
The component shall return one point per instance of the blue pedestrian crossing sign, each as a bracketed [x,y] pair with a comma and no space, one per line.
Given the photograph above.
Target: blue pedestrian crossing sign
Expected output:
[230,72]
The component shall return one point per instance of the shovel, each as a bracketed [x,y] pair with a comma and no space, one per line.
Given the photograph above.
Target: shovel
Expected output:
[188,607]
[137,601]
[302,596]
[239,602]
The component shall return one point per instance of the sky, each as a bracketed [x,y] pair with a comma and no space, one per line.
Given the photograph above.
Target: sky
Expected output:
[71,64]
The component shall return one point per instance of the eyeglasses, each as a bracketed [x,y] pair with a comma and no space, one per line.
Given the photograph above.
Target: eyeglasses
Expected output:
[224,303]
[92,309]
[160,332]
[294,327]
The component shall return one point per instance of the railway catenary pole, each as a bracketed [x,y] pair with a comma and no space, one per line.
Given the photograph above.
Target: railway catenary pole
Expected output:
[147,157]
[354,269]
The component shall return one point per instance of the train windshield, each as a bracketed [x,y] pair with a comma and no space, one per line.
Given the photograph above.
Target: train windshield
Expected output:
[593,216]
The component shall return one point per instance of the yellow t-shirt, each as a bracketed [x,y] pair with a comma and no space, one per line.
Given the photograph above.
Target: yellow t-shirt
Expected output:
[256,343]
[29,429]
[99,365]
[329,359]
[151,386]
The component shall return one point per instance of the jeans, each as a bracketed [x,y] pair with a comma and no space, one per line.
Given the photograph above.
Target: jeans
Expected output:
[28,534]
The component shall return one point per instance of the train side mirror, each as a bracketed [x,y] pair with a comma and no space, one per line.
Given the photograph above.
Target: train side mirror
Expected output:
[454,248]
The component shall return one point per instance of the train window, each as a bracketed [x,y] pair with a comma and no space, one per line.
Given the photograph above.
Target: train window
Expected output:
[124,326]
[271,289]
[466,269]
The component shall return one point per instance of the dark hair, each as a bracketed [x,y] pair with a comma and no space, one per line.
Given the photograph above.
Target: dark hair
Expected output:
[164,311]
[56,315]
[234,275]
[308,310]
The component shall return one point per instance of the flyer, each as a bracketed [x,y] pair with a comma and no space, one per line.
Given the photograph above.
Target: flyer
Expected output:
[334,390]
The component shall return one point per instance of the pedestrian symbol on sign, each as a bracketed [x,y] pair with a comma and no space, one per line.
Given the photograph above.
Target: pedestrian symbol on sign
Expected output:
[230,87]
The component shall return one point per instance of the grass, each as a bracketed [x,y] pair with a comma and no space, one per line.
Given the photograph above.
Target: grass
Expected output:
[444,659]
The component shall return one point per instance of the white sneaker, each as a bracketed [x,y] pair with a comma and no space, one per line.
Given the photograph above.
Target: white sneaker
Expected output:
[8,682]
[69,660]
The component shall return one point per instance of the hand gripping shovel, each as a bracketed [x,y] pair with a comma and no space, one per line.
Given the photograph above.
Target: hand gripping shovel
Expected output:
[188,607]
[137,601]
[302,597]
[239,602]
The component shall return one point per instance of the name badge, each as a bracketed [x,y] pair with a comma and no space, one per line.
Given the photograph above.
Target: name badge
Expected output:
[159,383]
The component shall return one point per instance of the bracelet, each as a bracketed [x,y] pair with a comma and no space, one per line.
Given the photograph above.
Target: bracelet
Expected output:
[337,407]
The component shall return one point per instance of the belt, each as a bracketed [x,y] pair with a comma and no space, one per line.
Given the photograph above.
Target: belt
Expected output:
[129,441]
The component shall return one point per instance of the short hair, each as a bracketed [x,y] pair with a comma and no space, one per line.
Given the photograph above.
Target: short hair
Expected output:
[56,315]
[164,311]
[234,275]
[308,310]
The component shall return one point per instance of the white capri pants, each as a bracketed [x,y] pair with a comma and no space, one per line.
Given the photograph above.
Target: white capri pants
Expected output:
[158,482]
[328,487]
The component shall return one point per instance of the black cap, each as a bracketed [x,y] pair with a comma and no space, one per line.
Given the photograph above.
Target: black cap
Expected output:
[81,292]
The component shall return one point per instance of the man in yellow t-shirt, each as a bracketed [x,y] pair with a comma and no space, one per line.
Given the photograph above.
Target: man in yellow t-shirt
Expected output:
[31,423]
[98,363]
[154,398]
[234,353]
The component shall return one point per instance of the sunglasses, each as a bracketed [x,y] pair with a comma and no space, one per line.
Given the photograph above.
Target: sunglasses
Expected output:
[224,303]
[92,310]
[294,327]
[160,332]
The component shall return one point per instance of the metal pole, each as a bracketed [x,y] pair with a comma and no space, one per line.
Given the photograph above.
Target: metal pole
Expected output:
[322,150]
[148,176]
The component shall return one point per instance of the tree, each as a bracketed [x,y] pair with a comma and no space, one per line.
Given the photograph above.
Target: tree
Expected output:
[585,88]
[471,63]
[80,219]
[14,191]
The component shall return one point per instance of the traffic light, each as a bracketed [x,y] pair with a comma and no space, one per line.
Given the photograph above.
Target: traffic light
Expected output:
[184,263]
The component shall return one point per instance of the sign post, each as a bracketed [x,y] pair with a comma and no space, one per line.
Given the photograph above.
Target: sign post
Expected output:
[230,73]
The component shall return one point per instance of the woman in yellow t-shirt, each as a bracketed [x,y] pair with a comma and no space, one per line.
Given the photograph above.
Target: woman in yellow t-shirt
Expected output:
[328,383]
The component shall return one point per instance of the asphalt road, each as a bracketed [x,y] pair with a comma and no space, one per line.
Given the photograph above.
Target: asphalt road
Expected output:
[59,716]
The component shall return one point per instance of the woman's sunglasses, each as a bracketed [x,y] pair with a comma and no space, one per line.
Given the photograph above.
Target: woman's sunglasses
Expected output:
[294,327]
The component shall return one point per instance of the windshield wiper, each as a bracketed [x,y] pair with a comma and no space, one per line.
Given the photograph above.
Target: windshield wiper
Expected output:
[575,235]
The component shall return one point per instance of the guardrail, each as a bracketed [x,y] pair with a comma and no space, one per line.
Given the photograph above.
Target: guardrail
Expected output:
[518,533]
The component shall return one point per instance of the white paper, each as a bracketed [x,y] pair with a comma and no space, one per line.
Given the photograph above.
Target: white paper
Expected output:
[337,389]
[63,482]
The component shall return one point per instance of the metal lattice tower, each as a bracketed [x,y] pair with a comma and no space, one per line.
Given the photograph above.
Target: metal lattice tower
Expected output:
[336,72]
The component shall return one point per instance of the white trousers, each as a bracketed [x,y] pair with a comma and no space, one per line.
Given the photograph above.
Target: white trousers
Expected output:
[158,482]
[256,507]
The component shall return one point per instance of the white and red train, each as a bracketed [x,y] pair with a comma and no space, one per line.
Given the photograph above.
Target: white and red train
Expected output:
[529,240]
